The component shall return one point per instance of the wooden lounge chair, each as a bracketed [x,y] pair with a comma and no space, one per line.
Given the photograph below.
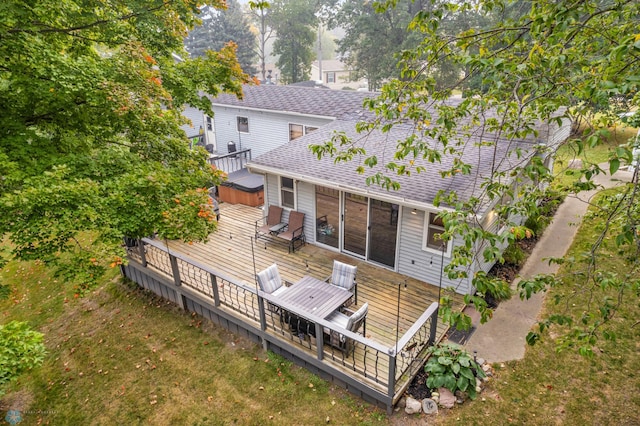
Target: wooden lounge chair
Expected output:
[274,217]
[351,322]
[294,231]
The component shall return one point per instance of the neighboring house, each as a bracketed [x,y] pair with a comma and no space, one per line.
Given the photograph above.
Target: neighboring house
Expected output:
[334,75]
[201,129]
[270,116]
[395,229]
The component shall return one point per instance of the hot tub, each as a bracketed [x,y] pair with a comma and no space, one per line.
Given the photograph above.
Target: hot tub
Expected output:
[242,187]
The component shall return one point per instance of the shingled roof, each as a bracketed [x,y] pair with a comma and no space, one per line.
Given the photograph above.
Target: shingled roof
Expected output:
[295,159]
[297,100]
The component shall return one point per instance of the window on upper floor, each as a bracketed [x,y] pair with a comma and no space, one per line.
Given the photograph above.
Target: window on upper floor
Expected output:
[295,131]
[243,124]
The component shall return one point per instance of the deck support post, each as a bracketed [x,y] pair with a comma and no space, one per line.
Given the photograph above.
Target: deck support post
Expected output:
[143,256]
[391,381]
[434,327]
[214,288]
[319,341]
[175,270]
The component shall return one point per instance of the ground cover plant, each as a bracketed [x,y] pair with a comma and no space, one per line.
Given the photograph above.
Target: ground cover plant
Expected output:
[119,355]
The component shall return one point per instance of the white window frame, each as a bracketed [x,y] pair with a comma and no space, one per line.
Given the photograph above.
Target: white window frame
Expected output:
[429,227]
[238,124]
[293,191]
[302,132]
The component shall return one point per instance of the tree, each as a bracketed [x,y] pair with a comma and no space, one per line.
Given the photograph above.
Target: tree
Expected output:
[294,22]
[537,61]
[374,38]
[261,14]
[220,27]
[91,148]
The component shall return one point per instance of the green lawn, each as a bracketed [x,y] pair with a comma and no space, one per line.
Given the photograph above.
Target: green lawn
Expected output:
[121,356]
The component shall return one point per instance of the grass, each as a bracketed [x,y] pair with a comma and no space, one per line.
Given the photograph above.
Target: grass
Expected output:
[597,155]
[122,356]
[548,387]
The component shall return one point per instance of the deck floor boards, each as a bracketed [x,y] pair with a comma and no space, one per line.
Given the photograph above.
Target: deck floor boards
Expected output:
[232,251]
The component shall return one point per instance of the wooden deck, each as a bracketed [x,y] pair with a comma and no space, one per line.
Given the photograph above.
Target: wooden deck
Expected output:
[232,251]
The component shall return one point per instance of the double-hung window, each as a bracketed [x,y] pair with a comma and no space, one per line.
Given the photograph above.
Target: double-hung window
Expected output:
[243,124]
[287,192]
[331,77]
[434,228]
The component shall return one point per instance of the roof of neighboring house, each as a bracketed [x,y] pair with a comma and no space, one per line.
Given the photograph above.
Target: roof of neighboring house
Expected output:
[297,100]
[310,83]
[295,159]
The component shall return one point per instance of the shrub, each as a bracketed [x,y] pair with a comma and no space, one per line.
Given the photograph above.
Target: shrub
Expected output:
[21,349]
[452,367]
[514,255]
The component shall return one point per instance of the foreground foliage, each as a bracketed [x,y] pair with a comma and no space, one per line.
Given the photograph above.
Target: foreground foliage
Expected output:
[92,95]
[452,367]
[538,63]
[21,349]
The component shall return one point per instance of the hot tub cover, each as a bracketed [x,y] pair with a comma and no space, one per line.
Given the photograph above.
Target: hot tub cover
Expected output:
[244,181]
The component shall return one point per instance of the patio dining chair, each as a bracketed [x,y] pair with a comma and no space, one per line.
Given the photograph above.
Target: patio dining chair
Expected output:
[274,217]
[294,230]
[271,282]
[352,322]
[344,275]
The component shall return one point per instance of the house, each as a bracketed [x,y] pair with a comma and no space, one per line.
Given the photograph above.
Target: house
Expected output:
[334,74]
[270,116]
[395,229]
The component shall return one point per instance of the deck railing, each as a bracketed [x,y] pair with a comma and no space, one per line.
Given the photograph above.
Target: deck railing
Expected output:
[383,372]
[231,162]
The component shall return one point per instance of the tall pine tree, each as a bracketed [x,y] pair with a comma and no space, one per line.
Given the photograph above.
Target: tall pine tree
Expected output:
[220,27]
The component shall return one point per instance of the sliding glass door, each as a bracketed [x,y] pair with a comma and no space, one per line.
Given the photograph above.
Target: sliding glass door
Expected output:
[383,232]
[355,224]
[328,216]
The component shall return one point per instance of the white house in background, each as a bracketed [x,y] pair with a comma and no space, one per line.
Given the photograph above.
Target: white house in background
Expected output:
[270,116]
[335,75]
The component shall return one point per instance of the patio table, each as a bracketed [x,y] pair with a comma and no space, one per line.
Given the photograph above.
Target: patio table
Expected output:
[276,229]
[311,296]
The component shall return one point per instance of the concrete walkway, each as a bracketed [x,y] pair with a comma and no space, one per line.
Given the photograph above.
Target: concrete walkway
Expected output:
[503,337]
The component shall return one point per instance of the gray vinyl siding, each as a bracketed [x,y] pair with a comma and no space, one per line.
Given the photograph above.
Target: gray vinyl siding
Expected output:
[306,205]
[197,118]
[426,264]
[267,130]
